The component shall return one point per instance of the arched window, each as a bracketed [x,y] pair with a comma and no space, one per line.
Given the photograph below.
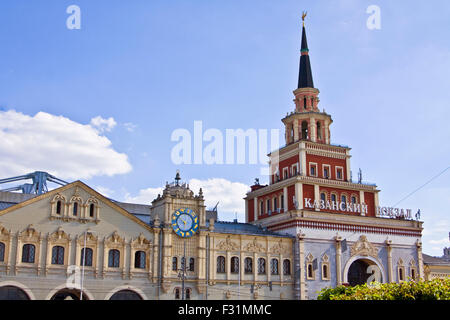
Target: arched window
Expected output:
[188,294]
[261,266]
[2,251]
[28,252]
[174,264]
[312,102]
[286,267]
[344,200]
[113,258]
[304,102]
[400,274]
[274,266]
[75,209]
[87,256]
[177,293]
[323,197]
[325,271]
[183,263]
[220,264]
[319,131]
[353,199]
[58,207]
[304,130]
[310,271]
[234,265]
[248,265]
[139,259]
[191,264]
[58,255]
[333,197]
[91,210]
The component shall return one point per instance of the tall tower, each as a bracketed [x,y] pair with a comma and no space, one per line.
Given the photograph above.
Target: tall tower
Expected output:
[306,122]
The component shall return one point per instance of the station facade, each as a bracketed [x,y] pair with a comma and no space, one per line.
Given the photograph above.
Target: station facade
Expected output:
[311,227]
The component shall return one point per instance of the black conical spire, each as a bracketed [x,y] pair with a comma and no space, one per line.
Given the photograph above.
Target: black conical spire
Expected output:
[305,79]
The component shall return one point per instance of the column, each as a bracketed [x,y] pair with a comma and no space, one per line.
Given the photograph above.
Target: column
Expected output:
[338,240]
[361,201]
[299,195]
[255,208]
[285,199]
[302,159]
[420,259]
[296,133]
[313,129]
[389,260]
[316,194]
[301,253]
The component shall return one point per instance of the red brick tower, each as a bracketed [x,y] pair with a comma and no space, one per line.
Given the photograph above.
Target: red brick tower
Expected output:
[309,173]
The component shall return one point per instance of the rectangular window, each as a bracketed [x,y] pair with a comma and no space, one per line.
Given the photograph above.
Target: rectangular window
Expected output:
[294,170]
[339,173]
[326,171]
[313,169]
[285,173]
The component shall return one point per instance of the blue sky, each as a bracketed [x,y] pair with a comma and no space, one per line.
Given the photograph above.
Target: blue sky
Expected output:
[152,67]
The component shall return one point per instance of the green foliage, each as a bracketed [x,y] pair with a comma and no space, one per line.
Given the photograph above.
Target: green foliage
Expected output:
[436,289]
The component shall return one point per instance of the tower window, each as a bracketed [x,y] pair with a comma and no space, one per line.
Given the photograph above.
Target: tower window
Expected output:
[319,131]
[304,130]
[304,102]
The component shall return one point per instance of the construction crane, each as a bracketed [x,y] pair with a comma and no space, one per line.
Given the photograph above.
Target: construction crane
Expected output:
[39,185]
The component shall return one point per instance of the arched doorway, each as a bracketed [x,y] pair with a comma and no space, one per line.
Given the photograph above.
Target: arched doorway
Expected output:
[125,295]
[360,270]
[68,294]
[12,293]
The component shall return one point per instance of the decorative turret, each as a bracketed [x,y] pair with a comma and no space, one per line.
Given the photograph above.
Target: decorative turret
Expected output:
[306,122]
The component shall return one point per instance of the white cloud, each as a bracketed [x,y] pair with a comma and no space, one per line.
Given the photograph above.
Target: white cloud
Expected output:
[229,195]
[440,241]
[58,145]
[129,126]
[145,196]
[102,124]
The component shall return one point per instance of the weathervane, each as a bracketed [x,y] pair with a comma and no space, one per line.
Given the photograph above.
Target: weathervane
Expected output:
[304,16]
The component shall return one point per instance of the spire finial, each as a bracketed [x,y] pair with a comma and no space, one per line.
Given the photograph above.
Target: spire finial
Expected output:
[304,13]
[177,177]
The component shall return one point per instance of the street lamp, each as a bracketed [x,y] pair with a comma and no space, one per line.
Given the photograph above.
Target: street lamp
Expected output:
[182,274]
[84,262]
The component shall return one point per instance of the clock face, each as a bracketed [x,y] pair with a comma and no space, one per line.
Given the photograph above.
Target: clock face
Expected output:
[185,222]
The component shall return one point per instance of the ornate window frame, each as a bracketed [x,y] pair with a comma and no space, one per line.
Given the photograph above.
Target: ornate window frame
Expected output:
[53,206]
[287,271]
[114,241]
[401,276]
[341,169]
[309,267]
[57,238]
[413,270]
[91,243]
[28,236]
[141,243]
[87,208]
[274,267]
[326,166]
[221,267]
[325,265]
[6,239]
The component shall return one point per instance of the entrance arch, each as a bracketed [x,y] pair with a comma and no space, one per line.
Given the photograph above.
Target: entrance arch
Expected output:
[13,293]
[125,295]
[356,270]
[68,294]
[8,284]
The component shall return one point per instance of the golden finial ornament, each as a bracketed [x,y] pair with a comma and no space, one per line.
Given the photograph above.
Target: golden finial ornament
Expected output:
[304,16]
